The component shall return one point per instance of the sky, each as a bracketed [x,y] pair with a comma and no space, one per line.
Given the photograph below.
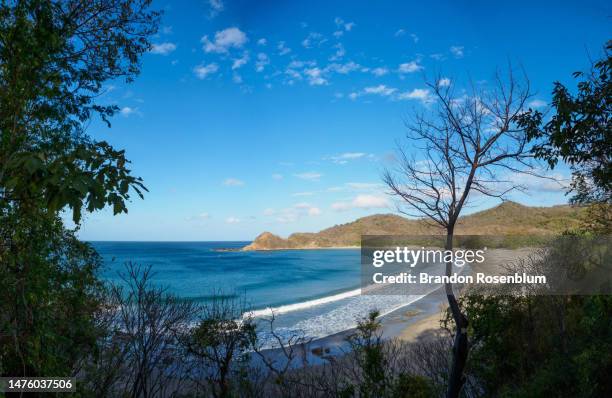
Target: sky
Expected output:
[252,116]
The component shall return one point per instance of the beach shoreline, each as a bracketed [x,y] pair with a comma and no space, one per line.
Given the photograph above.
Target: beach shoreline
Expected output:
[413,322]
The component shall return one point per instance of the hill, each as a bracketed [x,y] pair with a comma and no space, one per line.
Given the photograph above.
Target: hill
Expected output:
[509,218]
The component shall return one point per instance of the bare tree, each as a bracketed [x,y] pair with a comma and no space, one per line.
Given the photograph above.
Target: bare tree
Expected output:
[144,336]
[219,346]
[469,142]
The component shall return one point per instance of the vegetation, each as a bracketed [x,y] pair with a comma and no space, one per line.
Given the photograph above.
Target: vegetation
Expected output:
[509,218]
[57,318]
[55,57]
[580,131]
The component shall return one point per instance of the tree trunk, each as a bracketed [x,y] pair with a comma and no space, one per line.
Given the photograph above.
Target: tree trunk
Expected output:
[456,379]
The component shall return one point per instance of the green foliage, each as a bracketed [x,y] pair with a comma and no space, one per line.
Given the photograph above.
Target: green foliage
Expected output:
[220,347]
[377,378]
[54,58]
[49,293]
[580,131]
[541,346]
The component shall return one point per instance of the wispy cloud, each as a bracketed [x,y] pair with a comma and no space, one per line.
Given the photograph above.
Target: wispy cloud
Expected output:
[409,67]
[216,6]
[342,26]
[163,48]
[127,111]
[444,82]
[309,176]
[380,71]
[224,40]
[232,220]
[421,94]
[277,176]
[400,32]
[344,158]
[362,202]
[262,42]
[537,103]
[262,61]
[315,77]
[203,71]
[314,39]
[293,213]
[240,62]
[381,90]
[457,51]
[233,182]
[282,48]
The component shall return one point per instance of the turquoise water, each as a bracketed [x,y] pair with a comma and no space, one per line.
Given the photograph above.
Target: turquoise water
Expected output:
[313,291]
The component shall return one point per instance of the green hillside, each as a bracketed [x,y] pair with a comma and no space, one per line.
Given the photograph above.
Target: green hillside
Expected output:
[509,218]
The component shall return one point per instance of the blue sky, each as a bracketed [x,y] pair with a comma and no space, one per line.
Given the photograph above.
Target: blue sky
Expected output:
[279,116]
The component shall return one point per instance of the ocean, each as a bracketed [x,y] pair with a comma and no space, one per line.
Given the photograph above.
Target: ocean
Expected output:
[313,292]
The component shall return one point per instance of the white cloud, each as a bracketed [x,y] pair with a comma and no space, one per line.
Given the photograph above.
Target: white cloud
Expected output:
[362,202]
[216,6]
[315,77]
[277,176]
[293,213]
[127,111]
[420,94]
[310,176]
[232,220]
[410,67]
[313,39]
[224,40]
[163,48]
[240,62]
[350,155]
[537,103]
[340,52]
[233,182]
[202,71]
[199,217]
[262,61]
[236,78]
[343,68]
[314,211]
[303,194]
[400,32]
[341,24]
[262,42]
[415,38]
[282,48]
[380,71]
[344,158]
[444,82]
[457,51]
[381,89]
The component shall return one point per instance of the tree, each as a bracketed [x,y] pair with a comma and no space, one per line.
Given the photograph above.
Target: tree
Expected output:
[55,57]
[469,143]
[580,131]
[220,347]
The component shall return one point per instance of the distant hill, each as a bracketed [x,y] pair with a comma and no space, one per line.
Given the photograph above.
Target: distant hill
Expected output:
[509,218]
